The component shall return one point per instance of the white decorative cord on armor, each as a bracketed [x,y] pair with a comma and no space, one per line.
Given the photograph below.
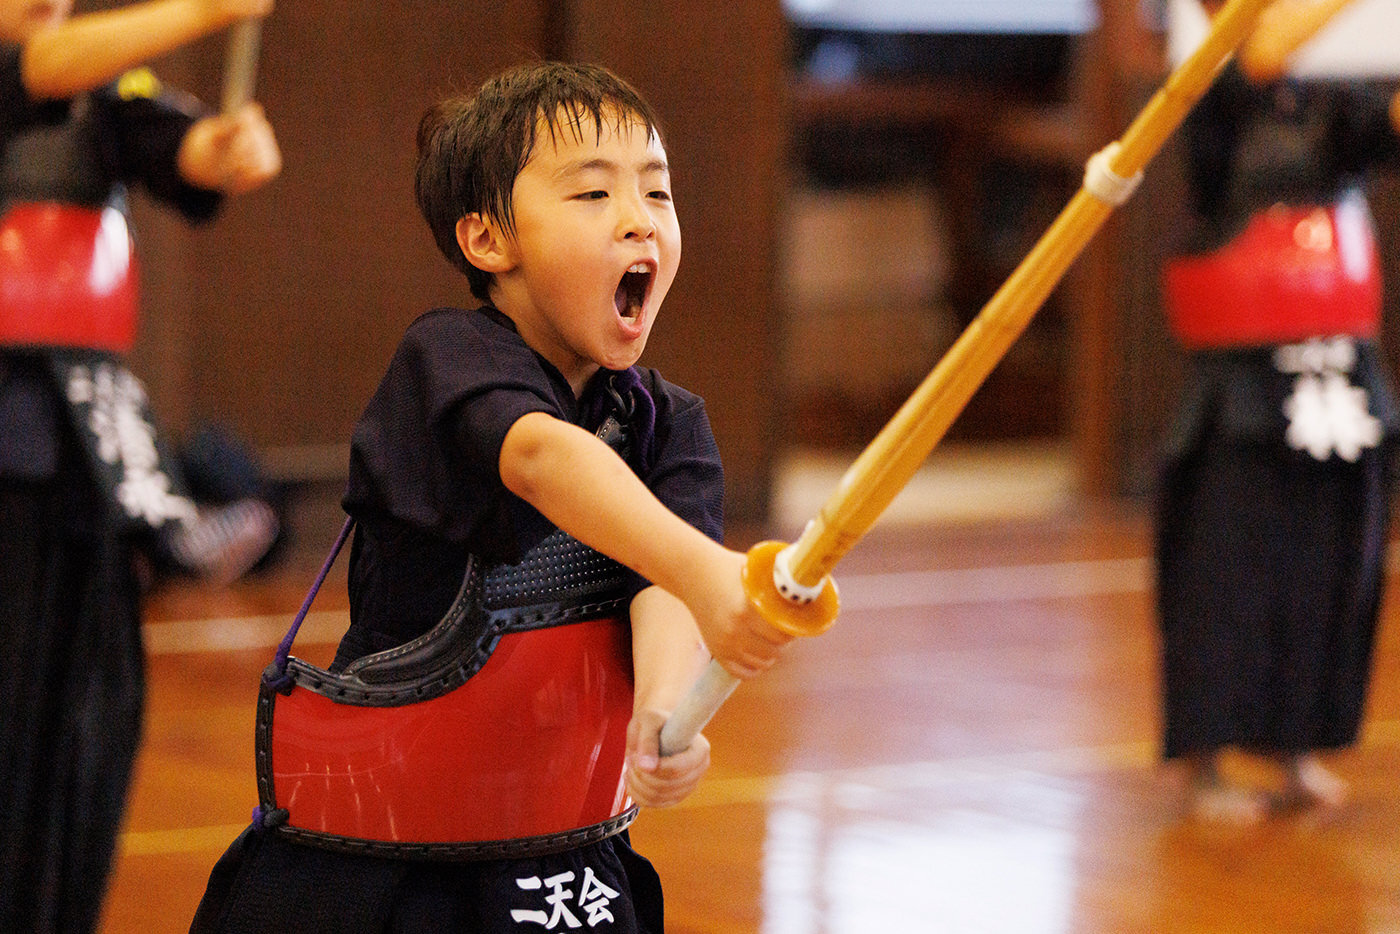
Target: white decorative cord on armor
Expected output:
[1103,183]
[1327,414]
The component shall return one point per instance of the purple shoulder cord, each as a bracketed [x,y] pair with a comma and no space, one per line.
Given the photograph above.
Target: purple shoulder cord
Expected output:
[284,650]
[639,410]
[275,675]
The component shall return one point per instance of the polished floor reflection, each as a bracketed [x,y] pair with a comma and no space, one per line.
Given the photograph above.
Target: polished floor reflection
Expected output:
[970,749]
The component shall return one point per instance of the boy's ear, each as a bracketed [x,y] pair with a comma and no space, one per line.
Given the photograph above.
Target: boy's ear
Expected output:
[485,245]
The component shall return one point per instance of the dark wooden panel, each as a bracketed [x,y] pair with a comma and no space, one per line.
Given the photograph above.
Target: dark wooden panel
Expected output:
[278,317]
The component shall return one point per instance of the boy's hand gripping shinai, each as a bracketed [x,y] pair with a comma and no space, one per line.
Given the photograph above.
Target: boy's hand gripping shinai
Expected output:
[789,584]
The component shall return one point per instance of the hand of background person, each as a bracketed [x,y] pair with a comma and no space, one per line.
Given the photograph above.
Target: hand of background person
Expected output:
[1281,31]
[233,153]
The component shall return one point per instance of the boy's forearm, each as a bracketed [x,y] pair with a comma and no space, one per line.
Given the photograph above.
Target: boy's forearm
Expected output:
[668,655]
[583,487]
[88,51]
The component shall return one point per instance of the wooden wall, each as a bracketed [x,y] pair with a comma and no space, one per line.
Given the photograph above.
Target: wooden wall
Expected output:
[277,319]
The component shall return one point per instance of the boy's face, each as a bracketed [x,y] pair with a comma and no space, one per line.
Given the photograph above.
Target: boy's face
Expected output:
[20,19]
[595,247]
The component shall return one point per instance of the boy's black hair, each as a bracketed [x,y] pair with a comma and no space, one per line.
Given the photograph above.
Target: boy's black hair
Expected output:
[472,147]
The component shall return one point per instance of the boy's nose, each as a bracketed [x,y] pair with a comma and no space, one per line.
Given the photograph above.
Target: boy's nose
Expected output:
[636,223]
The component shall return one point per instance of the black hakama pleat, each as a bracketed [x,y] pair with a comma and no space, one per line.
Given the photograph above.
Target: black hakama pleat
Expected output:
[72,685]
[1270,568]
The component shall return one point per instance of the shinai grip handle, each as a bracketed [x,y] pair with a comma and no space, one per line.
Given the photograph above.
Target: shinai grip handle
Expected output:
[716,684]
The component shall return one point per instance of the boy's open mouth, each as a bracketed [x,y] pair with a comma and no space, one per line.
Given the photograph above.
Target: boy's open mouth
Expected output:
[632,291]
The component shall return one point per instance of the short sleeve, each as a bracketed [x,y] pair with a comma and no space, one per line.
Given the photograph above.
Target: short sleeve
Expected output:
[13,99]
[19,111]
[1368,137]
[426,452]
[686,474]
[146,123]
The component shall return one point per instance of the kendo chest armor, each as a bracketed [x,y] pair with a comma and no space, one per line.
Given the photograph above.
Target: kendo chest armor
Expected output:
[67,277]
[500,733]
[68,272]
[1293,273]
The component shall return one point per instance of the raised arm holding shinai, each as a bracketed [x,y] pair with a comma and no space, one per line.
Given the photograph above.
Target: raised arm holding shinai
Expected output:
[790,583]
[1283,29]
[233,152]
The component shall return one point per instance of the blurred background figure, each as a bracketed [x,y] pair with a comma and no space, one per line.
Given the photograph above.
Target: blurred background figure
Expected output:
[85,481]
[1275,499]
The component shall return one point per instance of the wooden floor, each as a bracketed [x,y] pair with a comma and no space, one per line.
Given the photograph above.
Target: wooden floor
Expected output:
[970,749]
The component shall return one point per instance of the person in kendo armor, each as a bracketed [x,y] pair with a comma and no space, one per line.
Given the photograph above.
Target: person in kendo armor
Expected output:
[1275,498]
[537,567]
[86,485]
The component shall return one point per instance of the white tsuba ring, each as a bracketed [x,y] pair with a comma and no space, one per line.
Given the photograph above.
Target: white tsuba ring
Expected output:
[787,585]
[1105,184]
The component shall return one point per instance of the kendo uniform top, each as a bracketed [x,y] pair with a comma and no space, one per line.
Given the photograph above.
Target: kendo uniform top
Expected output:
[426,494]
[420,516]
[71,671]
[1276,486]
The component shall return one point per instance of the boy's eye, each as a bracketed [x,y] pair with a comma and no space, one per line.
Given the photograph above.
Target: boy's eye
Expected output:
[593,195]
[660,195]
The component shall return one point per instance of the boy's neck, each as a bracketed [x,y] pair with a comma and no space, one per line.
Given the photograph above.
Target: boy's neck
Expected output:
[576,376]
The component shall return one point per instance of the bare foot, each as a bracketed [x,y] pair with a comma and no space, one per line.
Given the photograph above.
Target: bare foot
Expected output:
[1309,784]
[1220,803]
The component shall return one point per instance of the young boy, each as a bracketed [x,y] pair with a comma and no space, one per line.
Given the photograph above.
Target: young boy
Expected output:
[551,191]
[80,473]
